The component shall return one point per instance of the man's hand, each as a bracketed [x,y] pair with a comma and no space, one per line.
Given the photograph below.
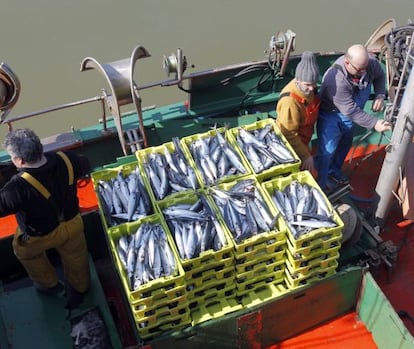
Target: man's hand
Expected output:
[24,237]
[308,164]
[382,125]
[378,103]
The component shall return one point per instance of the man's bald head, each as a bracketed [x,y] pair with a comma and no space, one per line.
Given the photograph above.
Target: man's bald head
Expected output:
[356,59]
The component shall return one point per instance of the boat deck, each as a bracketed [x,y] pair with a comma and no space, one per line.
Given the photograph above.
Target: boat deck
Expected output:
[29,319]
[398,285]
[397,282]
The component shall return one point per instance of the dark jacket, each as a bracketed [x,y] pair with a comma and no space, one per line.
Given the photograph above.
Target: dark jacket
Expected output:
[337,91]
[35,214]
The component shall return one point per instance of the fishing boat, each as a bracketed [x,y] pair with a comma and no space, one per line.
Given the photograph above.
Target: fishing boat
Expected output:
[353,286]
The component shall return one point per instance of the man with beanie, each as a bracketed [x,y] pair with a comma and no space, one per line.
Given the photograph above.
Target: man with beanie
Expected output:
[345,88]
[297,108]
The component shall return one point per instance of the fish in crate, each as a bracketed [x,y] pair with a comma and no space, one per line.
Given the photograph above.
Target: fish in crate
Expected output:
[123,195]
[168,169]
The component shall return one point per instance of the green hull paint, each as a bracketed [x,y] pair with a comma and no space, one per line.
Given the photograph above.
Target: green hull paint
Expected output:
[29,319]
[380,318]
[236,104]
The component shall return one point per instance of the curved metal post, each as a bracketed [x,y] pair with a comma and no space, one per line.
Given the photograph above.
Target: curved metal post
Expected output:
[119,75]
[9,90]
[136,54]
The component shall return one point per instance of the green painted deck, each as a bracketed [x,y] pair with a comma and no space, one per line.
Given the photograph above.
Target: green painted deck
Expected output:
[29,319]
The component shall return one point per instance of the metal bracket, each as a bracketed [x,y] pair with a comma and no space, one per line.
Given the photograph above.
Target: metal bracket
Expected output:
[120,77]
[9,90]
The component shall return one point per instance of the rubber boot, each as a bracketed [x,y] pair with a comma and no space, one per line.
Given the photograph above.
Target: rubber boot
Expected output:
[74,298]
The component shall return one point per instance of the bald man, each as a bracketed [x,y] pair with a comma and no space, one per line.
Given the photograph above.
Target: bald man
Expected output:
[345,88]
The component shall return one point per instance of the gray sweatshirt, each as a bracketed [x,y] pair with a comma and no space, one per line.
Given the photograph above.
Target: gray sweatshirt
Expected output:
[337,91]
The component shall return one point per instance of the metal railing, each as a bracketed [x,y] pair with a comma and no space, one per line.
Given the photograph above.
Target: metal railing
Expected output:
[101,98]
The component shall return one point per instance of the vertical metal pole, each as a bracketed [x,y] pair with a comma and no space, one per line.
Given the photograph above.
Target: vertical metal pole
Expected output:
[395,157]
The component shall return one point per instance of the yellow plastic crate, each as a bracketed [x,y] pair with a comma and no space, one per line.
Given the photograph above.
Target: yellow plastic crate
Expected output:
[313,266]
[203,285]
[221,291]
[247,264]
[294,282]
[143,157]
[189,140]
[303,177]
[153,306]
[248,244]
[318,254]
[209,278]
[271,268]
[209,259]
[155,291]
[170,319]
[277,169]
[106,175]
[219,261]
[162,314]
[214,309]
[323,237]
[264,245]
[257,283]
[324,242]
[263,293]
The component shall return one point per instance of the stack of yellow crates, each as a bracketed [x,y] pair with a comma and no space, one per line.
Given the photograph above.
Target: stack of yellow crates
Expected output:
[245,270]
[314,236]
[209,275]
[259,258]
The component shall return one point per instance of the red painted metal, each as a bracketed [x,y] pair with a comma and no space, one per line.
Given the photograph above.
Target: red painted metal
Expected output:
[249,329]
[346,332]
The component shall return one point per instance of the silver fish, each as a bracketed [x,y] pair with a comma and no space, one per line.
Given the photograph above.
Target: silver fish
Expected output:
[303,207]
[314,223]
[194,227]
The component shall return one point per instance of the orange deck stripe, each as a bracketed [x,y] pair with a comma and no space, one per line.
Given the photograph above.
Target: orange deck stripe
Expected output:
[87,202]
[346,332]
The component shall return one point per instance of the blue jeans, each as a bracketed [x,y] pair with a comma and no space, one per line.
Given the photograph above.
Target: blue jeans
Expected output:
[334,141]
[335,136]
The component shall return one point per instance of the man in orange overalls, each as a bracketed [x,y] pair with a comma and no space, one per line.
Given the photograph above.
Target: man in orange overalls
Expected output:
[298,107]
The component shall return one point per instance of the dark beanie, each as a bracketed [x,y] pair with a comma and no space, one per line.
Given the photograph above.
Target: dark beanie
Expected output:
[307,70]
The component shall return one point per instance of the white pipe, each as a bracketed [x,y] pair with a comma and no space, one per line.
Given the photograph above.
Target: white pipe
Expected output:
[395,157]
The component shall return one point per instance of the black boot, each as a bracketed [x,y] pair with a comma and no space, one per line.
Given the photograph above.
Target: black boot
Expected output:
[74,298]
[58,289]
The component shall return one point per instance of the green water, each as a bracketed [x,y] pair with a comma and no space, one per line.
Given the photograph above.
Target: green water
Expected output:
[44,41]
